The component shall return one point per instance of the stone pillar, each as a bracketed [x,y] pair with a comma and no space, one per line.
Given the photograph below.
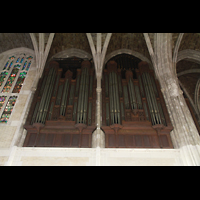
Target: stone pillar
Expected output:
[184,135]
[98,136]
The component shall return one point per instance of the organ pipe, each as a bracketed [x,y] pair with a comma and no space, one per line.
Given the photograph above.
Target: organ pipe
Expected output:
[141,88]
[77,85]
[47,89]
[48,97]
[64,98]
[59,94]
[117,99]
[111,99]
[154,100]
[126,100]
[56,85]
[120,85]
[138,97]
[71,95]
[86,96]
[148,99]
[83,95]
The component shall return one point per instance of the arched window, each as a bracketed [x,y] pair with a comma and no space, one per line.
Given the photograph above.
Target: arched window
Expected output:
[12,76]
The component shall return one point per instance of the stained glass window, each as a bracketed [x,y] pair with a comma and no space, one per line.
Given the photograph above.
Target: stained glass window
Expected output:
[22,60]
[19,83]
[29,64]
[2,77]
[8,109]
[2,100]
[17,60]
[29,58]
[24,65]
[10,65]
[6,65]
[13,68]
[12,57]
[11,79]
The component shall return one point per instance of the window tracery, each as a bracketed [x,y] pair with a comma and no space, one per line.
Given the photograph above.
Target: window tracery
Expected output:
[12,75]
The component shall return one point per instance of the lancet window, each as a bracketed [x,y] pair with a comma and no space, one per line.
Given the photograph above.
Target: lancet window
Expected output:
[13,72]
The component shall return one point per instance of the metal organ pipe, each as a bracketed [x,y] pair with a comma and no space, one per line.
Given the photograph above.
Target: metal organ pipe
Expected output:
[86,96]
[113,94]
[48,96]
[79,98]
[64,98]
[44,96]
[148,99]
[111,99]
[83,94]
[154,100]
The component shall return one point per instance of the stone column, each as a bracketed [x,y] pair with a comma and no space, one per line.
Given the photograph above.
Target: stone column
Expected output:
[184,135]
[98,136]
[98,53]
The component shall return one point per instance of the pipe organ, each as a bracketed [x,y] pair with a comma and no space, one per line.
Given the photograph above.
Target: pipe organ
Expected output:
[134,112]
[63,109]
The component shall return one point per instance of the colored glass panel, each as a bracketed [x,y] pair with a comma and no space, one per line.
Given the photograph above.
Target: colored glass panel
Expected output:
[2,77]
[11,79]
[12,57]
[2,100]
[17,60]
[10,65]
[29,64]
[22,60]
[6,65]
[29,58]
[17,66]
[8,109]
[24,65]
[19,83]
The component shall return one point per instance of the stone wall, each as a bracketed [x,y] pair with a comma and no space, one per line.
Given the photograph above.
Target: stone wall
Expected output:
[40,156]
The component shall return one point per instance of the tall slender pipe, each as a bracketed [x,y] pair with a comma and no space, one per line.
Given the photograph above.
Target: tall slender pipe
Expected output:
[131,94]
[48,98]
[42,101]
[83,95]
[152,94]
[71,95]
[120,85]
[86,96]
[117,99]
[77,85]
[141,88]
[114,98]
[148,99]
[80,97]
[111,99]
[64,98]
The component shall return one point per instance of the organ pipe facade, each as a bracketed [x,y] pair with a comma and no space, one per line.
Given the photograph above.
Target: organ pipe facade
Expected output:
[134,114]
[63,108]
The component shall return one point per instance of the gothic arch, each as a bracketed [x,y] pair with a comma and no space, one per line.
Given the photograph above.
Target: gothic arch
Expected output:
[71,52]
[18,50]
[127,51]
[189,54]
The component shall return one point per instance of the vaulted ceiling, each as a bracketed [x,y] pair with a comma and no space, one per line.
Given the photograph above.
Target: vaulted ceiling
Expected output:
[133,41]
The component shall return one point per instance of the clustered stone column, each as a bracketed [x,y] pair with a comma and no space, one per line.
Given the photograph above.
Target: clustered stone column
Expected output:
[184,135]
[98,136]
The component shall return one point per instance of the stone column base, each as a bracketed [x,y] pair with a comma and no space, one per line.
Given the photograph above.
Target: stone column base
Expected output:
[98,139]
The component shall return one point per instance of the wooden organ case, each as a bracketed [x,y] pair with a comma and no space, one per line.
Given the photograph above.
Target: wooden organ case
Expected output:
[134,113]
[63,109]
